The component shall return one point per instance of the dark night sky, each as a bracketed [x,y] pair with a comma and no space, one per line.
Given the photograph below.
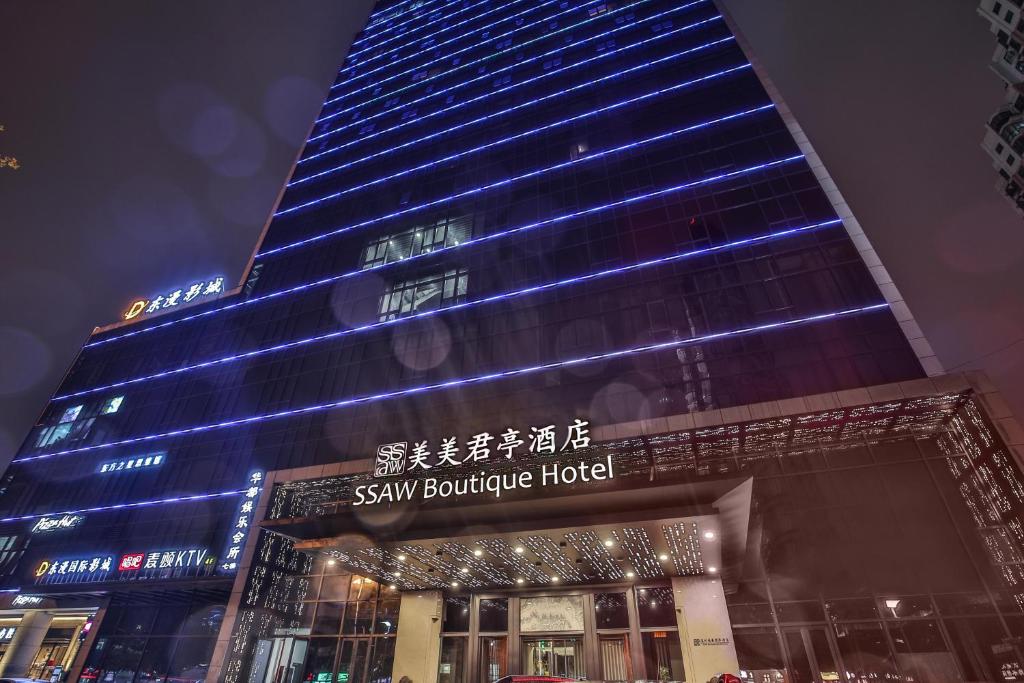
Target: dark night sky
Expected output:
[154,138]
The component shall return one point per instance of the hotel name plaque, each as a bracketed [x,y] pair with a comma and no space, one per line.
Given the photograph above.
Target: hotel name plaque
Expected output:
[396,459]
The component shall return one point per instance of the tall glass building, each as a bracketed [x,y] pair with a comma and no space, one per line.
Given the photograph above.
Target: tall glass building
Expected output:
[560,355]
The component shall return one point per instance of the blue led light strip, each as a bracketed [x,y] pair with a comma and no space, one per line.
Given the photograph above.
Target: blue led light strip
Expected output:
[493,236]
[522,105]
[479,379]
[504,296]
[502,141]
[481,60]
[517,136]
[355,64]
[376,19]
[406,34]
[591,156]
[372,24]
[453,39]
[480,189]
[492,75]
[479,98]
[126,506]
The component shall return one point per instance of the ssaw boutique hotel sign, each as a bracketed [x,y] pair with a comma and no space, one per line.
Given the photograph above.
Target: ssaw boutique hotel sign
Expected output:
[397,459]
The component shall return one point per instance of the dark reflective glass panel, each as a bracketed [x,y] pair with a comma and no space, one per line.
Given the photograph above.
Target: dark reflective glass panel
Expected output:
[493,615]
[610,610]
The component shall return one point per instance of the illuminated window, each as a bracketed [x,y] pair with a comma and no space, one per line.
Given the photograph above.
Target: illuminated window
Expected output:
[52,435]
[420,240]
[423,294]
[71,414]
[112,405]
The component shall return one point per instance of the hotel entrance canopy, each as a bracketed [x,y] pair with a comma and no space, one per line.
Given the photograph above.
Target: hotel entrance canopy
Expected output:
[647,532]
[669,490]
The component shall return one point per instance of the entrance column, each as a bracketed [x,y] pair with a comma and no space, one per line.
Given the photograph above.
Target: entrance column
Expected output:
[704,627]
[418,642]
[25,644]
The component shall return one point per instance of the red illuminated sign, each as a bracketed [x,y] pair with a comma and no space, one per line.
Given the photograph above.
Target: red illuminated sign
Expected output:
[131,563]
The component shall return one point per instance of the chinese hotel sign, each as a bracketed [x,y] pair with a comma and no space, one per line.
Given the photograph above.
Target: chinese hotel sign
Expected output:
[397,459]
[183,295]
[153,564]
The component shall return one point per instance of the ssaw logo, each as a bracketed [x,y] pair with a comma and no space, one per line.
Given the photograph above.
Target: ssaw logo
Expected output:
[391,459]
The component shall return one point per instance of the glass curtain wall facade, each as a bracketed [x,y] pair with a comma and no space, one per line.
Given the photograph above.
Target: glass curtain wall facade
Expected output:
[506,212]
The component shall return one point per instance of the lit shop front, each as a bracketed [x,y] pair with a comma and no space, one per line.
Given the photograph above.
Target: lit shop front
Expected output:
[38,638]
[792,547]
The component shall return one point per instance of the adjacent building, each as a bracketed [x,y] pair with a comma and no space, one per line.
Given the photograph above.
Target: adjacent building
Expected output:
[1003,140]
[561,355]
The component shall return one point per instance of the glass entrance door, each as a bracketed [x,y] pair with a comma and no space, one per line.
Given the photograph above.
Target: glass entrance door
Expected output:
[553,657]
[811,658]
[352,660]
[493,658]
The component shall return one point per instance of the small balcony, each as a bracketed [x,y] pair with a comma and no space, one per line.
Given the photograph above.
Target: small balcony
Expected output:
[1001,118]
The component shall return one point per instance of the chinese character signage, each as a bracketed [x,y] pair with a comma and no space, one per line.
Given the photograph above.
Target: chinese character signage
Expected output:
[60,523]
[241,523]
[449,456]
[153,564]
[184,295]
[136,463]
[7,633]
[85,569]
[397,458]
